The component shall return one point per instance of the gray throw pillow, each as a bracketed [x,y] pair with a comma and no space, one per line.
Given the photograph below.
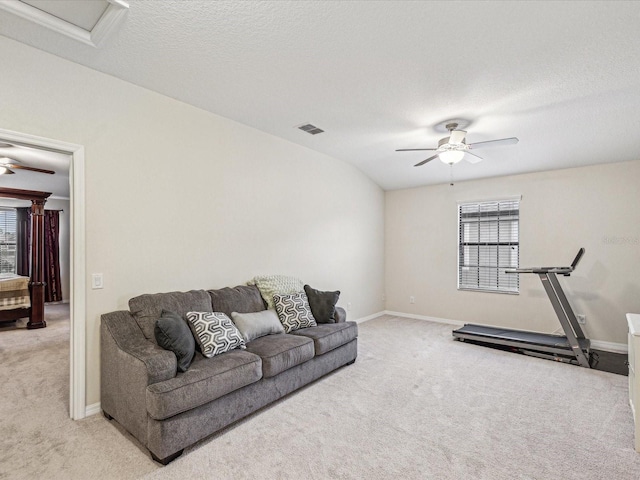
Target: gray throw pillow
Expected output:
[172,333]
[258,324]
[323,304]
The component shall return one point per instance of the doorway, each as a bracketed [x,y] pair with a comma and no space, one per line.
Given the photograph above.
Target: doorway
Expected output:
[77,270]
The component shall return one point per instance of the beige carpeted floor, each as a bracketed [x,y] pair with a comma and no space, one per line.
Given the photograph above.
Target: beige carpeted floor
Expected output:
[415,405]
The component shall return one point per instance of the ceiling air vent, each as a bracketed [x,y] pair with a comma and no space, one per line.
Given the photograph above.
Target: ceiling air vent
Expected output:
[312,129]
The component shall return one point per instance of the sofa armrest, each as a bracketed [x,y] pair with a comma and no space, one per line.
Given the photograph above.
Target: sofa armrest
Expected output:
[128,364]
[341,315]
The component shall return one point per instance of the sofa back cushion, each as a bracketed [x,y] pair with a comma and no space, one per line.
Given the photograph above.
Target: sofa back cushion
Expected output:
[146,309]
[240,299]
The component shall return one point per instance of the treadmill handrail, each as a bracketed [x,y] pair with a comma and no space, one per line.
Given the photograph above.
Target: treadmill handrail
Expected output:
[566,271]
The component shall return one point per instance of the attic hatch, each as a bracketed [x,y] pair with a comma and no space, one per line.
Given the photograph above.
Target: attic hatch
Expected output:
[309,128]
[88,22]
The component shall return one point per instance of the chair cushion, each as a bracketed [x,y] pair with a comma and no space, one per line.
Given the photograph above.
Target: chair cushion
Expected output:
[241,299]
[328,336]
[281,352]
[146,309]
[206,380]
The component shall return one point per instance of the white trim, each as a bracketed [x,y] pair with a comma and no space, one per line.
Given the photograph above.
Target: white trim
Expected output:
[111,18]
[370,317]
[427,318]
[610,346]
[508,198]
[77,329]
[92,409]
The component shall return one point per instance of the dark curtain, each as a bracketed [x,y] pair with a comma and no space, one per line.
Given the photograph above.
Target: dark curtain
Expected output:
[23,241]
[53,289]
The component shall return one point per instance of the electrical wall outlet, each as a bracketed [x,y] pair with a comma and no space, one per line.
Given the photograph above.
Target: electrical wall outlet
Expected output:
[412,299]
[582,319]
[348,306]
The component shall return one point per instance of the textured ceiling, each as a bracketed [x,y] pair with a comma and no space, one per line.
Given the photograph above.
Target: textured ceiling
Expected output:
[377,76]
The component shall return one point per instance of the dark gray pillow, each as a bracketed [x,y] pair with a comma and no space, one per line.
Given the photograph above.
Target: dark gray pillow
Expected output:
[323,304]
[173,333]
[241,299]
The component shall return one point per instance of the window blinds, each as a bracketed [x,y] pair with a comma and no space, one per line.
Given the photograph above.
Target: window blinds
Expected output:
[7,240]
[488,243]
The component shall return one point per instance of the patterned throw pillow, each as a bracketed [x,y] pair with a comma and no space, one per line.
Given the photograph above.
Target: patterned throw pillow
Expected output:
[293,311]
[214,332]
[269,285]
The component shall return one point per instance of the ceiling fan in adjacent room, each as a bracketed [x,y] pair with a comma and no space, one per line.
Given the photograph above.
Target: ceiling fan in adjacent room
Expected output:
[7,164]
[454,148]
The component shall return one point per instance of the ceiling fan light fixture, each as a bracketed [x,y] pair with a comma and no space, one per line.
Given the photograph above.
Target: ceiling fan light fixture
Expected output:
[5,171]
[451,157]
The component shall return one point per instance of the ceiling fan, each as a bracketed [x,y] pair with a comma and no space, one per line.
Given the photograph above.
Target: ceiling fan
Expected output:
[453,148]
[6,164]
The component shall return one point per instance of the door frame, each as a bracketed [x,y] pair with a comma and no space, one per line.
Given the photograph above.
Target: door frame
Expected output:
[77,259]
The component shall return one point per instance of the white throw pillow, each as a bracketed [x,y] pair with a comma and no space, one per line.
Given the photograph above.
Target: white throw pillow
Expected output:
[269,285]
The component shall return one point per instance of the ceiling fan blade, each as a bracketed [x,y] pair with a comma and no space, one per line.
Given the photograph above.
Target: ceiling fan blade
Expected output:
[415,149]
[495,143]
[23,167]
[472,157]
[457,136]
[425,161]
[5,145]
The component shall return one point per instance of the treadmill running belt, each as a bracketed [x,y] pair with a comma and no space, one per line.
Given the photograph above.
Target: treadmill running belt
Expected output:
[531,338]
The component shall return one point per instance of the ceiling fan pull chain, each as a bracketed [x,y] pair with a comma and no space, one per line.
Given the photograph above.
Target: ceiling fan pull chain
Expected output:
[451,175]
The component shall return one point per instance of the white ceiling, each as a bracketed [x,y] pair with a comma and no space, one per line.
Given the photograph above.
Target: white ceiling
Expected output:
[563,76]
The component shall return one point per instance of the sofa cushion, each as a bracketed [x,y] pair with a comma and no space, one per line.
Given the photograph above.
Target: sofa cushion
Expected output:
[172,333]
[206,380]
[146,309]
[214,332]
[328,336]
[323,304]
[269,285]
[294,311]
[257,324]
[241,299]
[281,352]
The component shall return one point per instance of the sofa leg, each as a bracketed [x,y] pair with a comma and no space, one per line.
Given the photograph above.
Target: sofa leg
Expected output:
[351,362]
[167,460]
[107,416]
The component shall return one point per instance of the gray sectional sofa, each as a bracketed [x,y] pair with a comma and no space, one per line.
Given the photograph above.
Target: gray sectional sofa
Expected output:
[168,410]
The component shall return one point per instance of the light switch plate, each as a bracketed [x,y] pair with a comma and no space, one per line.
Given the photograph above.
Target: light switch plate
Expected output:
[97,281]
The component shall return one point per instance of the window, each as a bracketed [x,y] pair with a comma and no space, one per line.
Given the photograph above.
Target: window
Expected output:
[488,244]
[7,240]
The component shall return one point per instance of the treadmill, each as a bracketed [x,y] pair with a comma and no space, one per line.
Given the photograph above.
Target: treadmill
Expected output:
[572,348]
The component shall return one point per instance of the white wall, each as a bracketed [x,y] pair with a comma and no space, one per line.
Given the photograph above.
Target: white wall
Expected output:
[54,204]
[178,198]
[561,211]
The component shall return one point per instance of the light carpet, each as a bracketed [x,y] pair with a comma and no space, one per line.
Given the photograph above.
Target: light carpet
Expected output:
[415,405]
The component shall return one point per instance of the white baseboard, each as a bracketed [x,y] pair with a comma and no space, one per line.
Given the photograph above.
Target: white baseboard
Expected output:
[92,409]
[370,317]
[425,317]
[597,344]
[610,346]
